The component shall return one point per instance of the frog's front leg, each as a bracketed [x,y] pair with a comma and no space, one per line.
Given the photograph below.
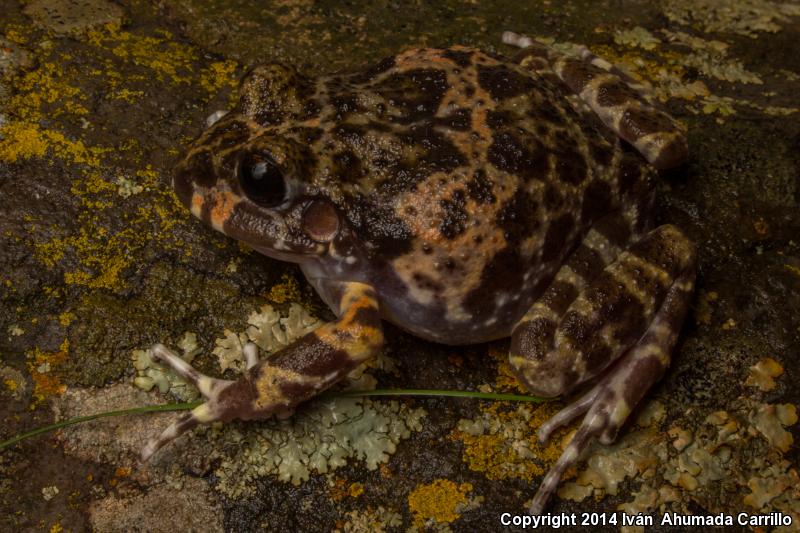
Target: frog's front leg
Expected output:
[300,371]
[618,328]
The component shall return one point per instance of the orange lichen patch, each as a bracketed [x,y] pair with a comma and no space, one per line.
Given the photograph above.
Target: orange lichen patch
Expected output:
[41,366]
[355,490]
[506,380]
[122,471]
[761,226]
[16,33]
[502,443]
[704,307]
[341,490]
[762,374]
[288,290]
[338,491]
[438,501]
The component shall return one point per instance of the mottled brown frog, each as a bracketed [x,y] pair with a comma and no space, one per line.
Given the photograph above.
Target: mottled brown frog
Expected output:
[464,198]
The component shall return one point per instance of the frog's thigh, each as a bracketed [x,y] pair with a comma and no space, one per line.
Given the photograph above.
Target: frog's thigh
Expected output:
[630,315]
[619,101]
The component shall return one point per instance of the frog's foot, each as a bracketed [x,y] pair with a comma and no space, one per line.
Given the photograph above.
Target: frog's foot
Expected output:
[274,386]
[620,102]
[609,403]
[617,328]
[209,387]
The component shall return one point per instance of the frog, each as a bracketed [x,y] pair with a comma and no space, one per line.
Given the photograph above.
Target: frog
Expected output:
[463,197]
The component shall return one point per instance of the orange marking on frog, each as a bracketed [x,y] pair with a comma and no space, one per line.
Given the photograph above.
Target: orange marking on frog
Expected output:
[197,204]
[224,202]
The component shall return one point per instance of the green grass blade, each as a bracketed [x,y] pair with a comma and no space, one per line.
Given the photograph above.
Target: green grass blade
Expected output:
[494,396]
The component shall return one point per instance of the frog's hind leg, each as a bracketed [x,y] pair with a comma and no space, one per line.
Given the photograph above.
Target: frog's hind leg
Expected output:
[621,103]
[617,328]
[209,387]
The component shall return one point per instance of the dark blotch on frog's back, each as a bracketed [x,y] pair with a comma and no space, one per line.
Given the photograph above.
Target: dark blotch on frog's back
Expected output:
[454,215]
[461,58]
[274,93]
[503,82]
[571,167]
[415,94]
[197,168]
[436,152]
[347,167]
[230,133]
[384,235]
[597,199]
[518,218]
[518,154]
[558,233]
[425,151]
[480,189]
[372,72]
[345,104]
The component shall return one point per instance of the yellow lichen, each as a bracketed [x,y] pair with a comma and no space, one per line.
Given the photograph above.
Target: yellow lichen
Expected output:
[502,443]
[288,290]
[168,59]
[25,140]
[66,318]
[438,501]
[21,141]
[355,490]
[506,380]
[217,75]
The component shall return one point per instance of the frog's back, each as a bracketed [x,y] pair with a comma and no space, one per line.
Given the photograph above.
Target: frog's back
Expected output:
[465,179]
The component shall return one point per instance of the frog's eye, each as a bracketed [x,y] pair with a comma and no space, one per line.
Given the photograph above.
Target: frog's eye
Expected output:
[262,180]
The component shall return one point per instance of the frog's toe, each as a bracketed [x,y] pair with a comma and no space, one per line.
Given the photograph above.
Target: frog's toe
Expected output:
[567,415]
[200,415]
[218,407]
[209,387]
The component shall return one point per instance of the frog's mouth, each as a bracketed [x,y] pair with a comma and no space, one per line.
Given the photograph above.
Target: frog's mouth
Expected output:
[275,233]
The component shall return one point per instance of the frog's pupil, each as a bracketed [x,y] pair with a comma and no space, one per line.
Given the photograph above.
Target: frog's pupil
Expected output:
[262,181]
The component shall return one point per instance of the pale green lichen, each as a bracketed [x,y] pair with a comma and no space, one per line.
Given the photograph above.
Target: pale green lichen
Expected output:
[127,187]
[378,520]
[742,447]
[716,66]
[317,440]
[637,36]
[271,332]
[745,17]
[150,373]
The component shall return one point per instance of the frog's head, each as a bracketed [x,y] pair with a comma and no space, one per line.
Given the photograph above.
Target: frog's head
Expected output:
[251,177]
